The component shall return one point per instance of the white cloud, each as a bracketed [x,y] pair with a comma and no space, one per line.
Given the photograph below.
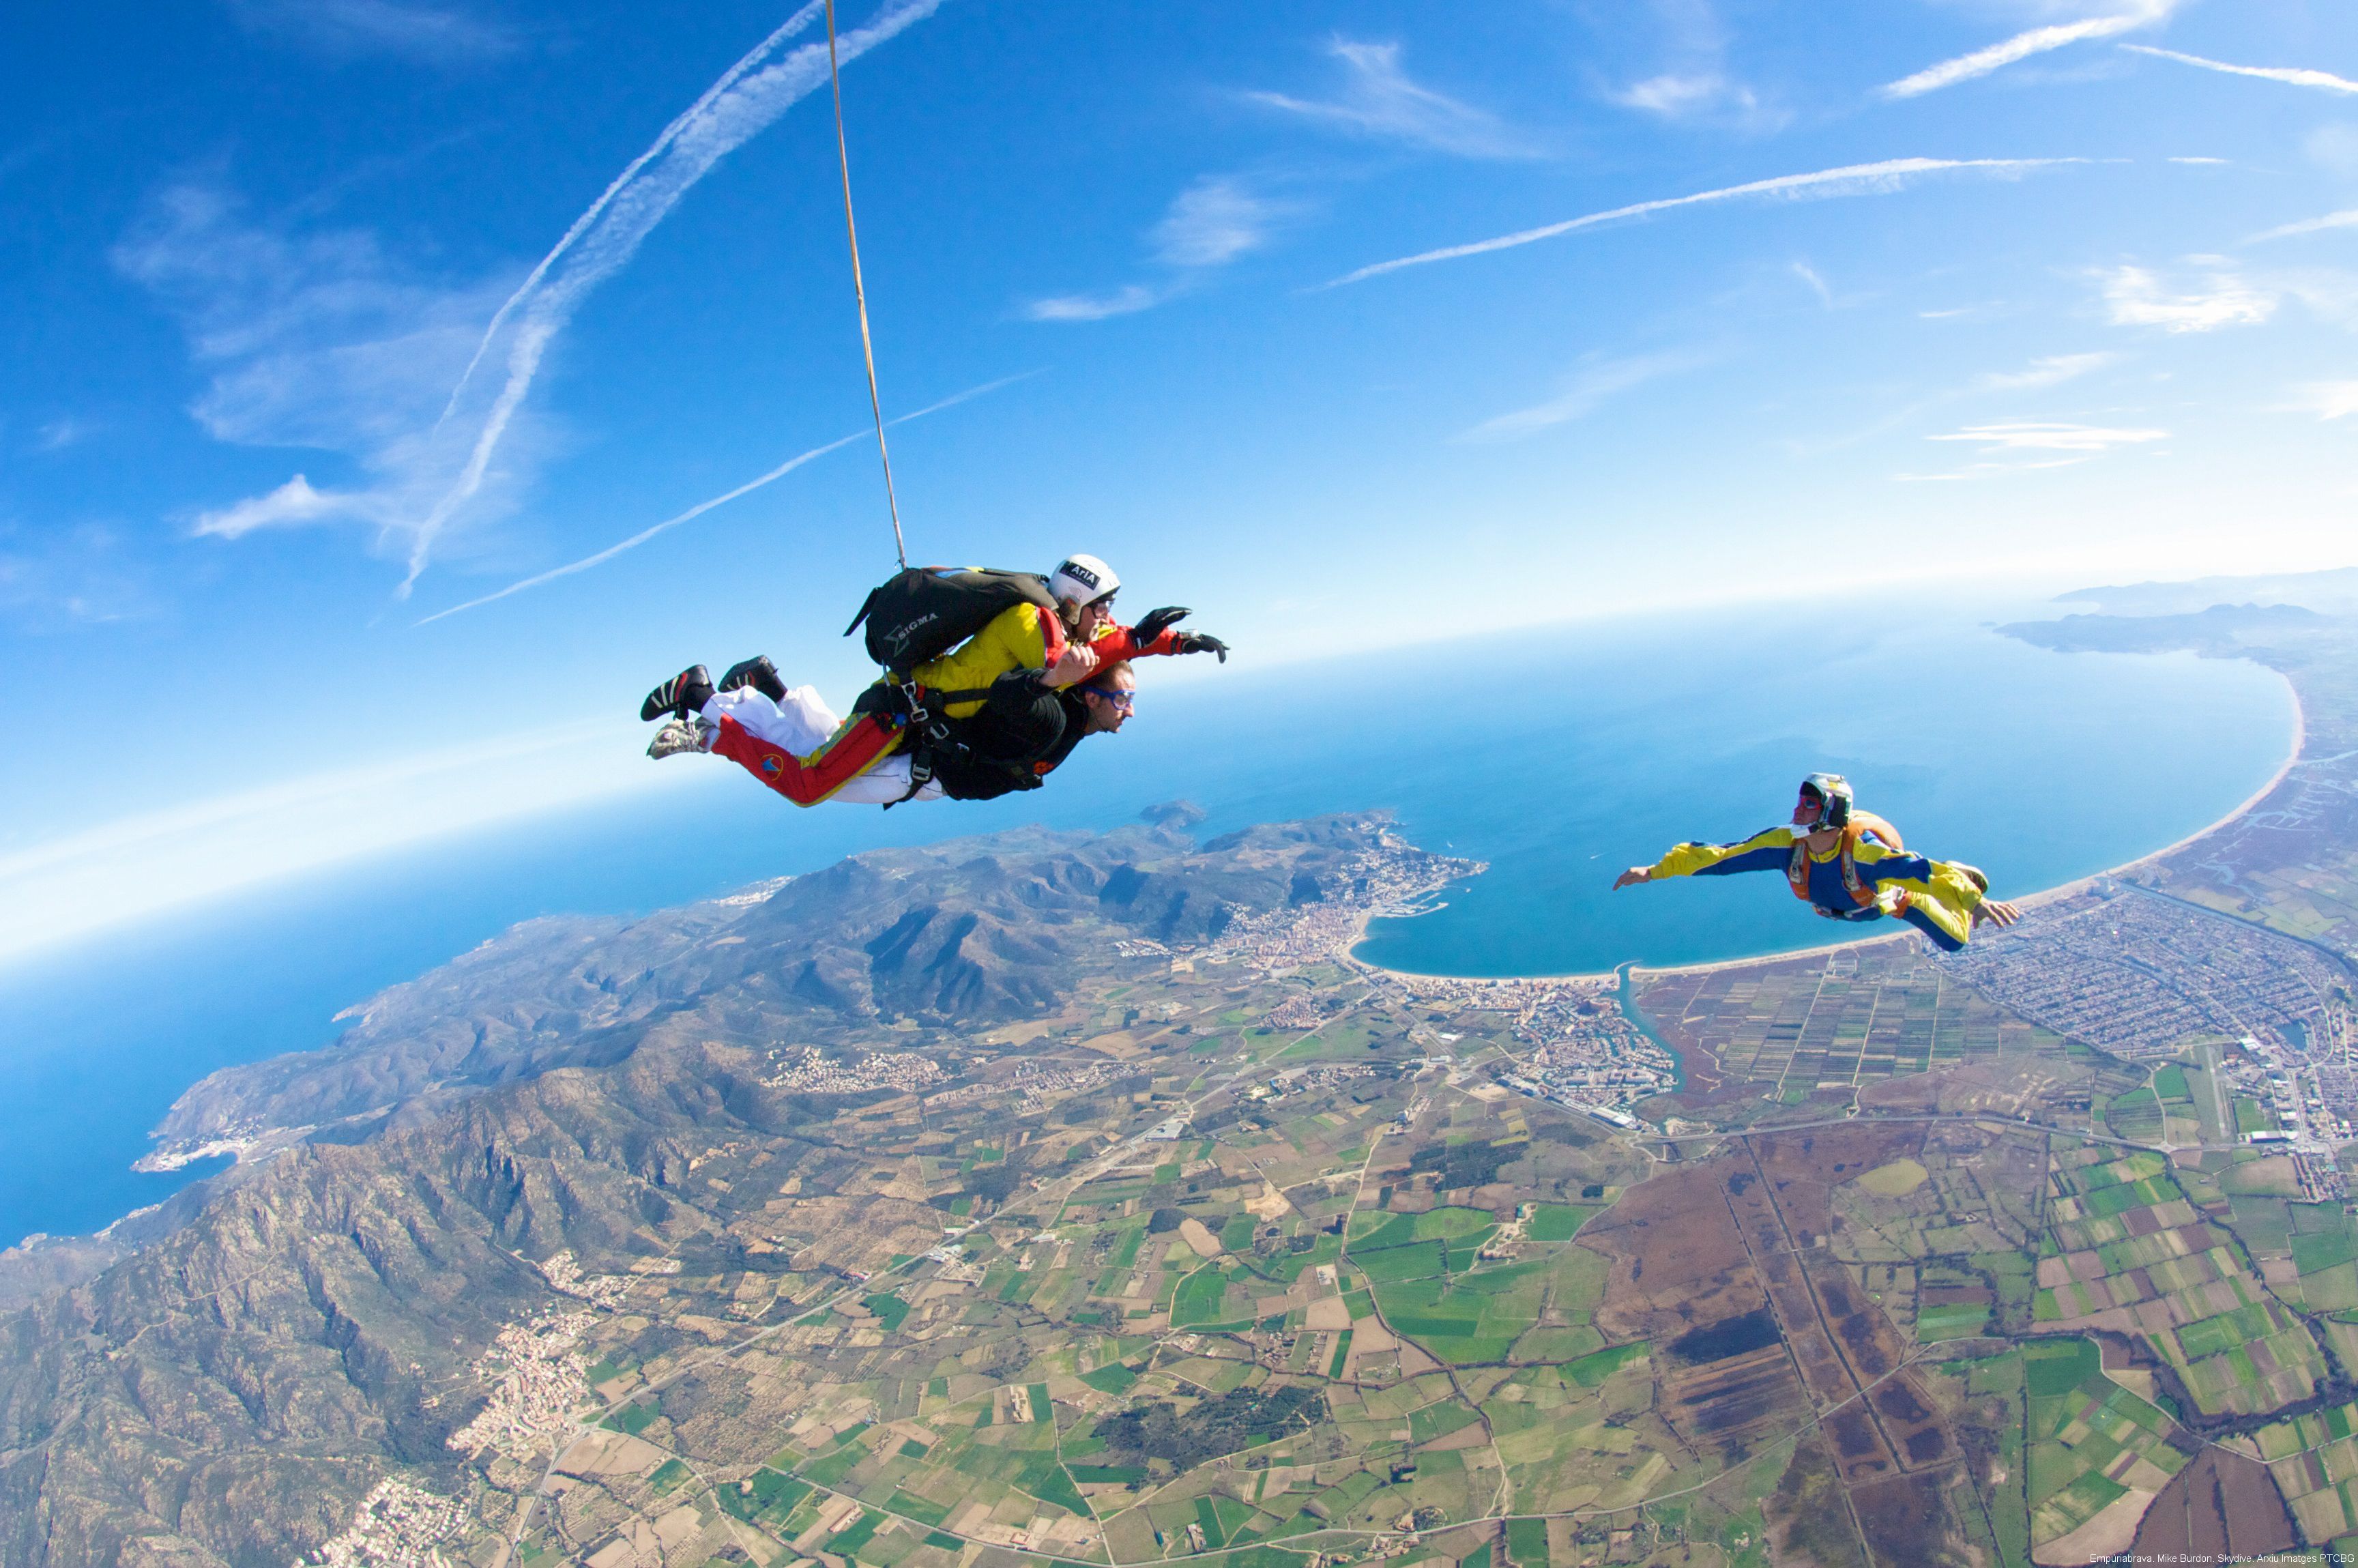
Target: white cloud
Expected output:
[2048,436]
[1693,84]
[2291,76]
[1380,99]
[1207,225]
[1687,95]
[81,575]
[58,433]
[1851,179]
[314,340]
[1589,385]
[345,28]
[2344,220]
[2022,46]
[123,871]
[292,504]
[2327,399]
[1212,222]
[1810,275]
[2136,297]
[2053,370]
[1124,302]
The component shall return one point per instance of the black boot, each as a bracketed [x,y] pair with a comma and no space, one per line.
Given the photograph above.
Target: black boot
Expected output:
[758,673]
[680,695]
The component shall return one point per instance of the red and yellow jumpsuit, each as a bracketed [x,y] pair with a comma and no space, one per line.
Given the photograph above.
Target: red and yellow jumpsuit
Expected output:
[1024,636]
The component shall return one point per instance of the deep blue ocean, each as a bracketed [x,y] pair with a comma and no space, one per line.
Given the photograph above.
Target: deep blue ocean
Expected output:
[1559,756]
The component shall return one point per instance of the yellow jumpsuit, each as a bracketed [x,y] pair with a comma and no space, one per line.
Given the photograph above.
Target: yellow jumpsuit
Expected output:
[1934,896]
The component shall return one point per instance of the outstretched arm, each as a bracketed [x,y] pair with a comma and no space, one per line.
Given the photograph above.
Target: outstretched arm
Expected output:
[1764,851]
[1156,633]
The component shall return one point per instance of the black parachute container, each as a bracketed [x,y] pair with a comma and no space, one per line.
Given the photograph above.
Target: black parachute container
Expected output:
[922,612]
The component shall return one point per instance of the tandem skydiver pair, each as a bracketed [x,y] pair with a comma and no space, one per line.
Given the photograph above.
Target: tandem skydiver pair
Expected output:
[991,678]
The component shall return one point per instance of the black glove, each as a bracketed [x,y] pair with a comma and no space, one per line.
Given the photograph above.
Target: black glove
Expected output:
[1203,643]
[1154,622]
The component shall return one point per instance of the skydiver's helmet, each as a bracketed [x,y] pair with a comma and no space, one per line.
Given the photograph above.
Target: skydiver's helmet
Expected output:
[1082,580]
[1824,802]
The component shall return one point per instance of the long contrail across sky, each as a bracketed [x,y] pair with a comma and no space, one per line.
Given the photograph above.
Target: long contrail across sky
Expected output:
[2292,75]
[746,100]
[1851,179]
[701,507]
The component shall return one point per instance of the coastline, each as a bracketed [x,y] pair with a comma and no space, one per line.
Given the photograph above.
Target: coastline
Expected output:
[2043,896]
[170,1160]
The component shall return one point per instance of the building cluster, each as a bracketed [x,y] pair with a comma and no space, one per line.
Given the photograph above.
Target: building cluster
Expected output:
[1394,879]
[1307,1080]
[1581,1050]
[397,1525]
[1296,1013]
[232,1142]
[1588,1056]
[539,1379]
[564,1275]
[1036,1080]
[2309,1102]
[815,1073]
[2137,975]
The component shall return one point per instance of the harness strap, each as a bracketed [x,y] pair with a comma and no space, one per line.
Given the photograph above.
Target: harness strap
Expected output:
[1797,868]
[921,773]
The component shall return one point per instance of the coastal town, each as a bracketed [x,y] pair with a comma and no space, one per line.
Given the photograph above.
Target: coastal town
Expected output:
[2133,972]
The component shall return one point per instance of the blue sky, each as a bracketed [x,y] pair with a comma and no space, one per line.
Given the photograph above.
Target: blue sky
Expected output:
[332,322]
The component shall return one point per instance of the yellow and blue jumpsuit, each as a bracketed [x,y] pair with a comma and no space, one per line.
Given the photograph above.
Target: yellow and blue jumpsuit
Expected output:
[1933,896]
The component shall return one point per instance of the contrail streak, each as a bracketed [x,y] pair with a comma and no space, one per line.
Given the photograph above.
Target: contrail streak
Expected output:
[2295,76]
[1858,178]
[746,100]
[2022,46]
[671,133]
[701,507]
[2344,220]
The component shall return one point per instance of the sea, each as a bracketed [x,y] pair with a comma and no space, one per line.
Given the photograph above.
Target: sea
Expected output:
[1557,755]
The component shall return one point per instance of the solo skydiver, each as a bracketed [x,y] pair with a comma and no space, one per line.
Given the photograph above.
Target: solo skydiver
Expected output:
[1011,674]
[1848,864]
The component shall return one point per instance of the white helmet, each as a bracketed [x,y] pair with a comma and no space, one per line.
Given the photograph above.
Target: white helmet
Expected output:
[1083,580]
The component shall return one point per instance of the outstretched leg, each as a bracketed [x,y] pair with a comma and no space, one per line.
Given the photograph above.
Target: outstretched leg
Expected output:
[1949,903]
[795,746]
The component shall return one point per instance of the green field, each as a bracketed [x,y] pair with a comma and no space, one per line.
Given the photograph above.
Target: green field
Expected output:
[2084,1430]
[1557,1221]
[1198,1300]
[1939,1323]
[1468,1317]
